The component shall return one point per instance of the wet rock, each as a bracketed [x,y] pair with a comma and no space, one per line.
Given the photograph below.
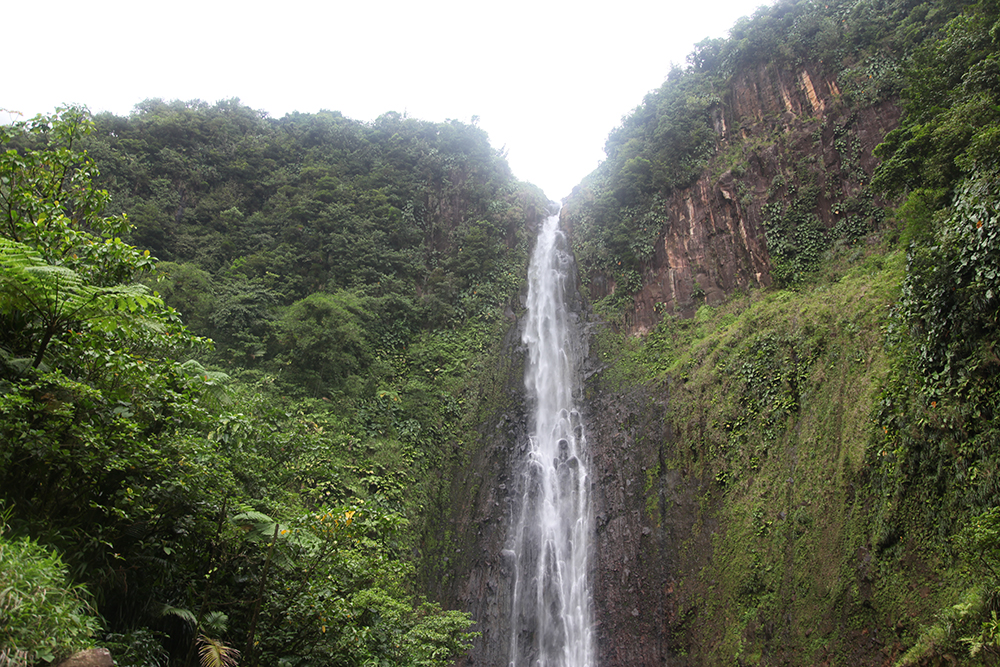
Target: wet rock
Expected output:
[713,237]
[712,243]
[94,657]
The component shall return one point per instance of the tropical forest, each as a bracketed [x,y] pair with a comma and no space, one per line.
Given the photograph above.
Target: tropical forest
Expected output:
[263,392]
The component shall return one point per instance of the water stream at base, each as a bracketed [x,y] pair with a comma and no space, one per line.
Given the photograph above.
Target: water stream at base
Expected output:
[550,545]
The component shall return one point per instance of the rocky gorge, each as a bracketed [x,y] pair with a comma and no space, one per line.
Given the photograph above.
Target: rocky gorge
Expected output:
[725,524]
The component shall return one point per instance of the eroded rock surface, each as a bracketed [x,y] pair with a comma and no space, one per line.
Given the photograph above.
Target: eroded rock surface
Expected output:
[782,129]
[94,657]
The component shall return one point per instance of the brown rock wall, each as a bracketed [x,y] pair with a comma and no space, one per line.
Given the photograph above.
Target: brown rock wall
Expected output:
[473,573]
[711,243]
[787,123]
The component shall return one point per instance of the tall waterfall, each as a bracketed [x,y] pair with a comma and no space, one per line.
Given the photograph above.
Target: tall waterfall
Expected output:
[552,618]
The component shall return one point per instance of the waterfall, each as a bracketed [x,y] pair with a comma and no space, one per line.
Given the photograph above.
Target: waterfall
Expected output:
[550,543]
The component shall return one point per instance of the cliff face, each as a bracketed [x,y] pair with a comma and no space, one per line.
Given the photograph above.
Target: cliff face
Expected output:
[637,564]
[777,131]
[669,575]
[663,585]
[474,575]
[737,518]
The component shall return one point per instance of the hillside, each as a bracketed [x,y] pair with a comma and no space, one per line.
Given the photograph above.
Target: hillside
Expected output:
[239,449]
[790,256]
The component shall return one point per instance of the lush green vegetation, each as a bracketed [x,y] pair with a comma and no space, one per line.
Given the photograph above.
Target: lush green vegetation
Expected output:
[42,615]
[836,500]
[939,411]
[239,448]
[237,451]
[675,135]
[771,395]
[844,427]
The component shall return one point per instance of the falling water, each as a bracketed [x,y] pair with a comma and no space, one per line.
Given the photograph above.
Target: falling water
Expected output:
[552,620]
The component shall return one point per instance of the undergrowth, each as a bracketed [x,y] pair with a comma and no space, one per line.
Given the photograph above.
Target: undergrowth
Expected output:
[774,396]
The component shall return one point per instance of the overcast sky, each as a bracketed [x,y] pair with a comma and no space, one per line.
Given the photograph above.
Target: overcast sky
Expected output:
[548,80]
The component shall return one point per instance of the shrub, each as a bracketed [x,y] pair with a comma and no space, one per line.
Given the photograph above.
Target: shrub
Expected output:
[43,616]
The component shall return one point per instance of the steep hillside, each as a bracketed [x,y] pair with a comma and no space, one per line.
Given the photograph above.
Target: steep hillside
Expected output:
[807,475]
[302,420]
[787,157]
[791,258]
[240,450]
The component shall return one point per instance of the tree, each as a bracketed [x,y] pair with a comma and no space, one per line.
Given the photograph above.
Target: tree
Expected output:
[138,466]
[323,341]
[68,277]
[49,300]
[951,126]
[48,200]
[43,616]
[97,415]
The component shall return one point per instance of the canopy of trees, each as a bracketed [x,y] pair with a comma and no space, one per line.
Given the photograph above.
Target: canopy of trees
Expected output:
[930,479]
[261,493]
[669,140]
[236,352]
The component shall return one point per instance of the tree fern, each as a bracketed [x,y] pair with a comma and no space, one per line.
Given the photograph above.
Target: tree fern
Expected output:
[211,383]
[263,529]
[57,298]
[185,615]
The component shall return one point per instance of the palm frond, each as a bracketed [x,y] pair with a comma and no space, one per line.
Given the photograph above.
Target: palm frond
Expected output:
[213,653]
[215,622]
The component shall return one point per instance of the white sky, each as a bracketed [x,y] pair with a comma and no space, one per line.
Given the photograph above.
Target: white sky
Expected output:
[548,79]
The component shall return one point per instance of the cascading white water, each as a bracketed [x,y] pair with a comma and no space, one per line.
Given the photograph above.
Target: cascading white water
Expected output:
[552,617]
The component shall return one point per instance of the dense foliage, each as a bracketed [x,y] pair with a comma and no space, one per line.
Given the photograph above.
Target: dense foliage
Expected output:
[348,273]
[685,130]
[940,413]
[42,615]
[238,450]
[846,425]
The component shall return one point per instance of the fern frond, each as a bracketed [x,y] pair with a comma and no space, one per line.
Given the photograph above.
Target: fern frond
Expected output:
[260,526]
[27,278]
[56,297]
[215,622]
[185,615]
[212,383]
[253,517]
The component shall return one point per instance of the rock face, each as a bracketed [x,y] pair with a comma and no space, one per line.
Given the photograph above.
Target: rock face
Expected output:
[639,559]
[631,581]
[476,575]
[793,132]
[95,657]
[780,130]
